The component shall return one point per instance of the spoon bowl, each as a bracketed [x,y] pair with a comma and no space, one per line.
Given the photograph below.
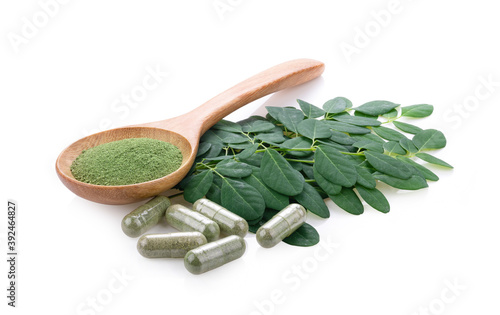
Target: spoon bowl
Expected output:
[182,131]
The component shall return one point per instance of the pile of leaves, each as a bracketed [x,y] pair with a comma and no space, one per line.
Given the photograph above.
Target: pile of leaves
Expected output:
[260,165]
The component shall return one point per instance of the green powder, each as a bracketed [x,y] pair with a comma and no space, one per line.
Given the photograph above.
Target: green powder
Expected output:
[125,162]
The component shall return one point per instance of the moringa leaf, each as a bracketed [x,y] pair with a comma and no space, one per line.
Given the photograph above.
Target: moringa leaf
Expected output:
[390,114]
[310,199]
[374,198]
[428,174]
[306,235]
[356,120]
[248,152]
[327,186]
[297,143]
[388,133]
[348,200]
[417,111]
[369,145]
[343,127]
[376,108]
[408,145]
[433,160]
[289,117]
[388,165]
[429,139]
[408,128]
[393,147]
[365,178]
[310,110]
[334,166]
[233,168]
[314,129]
[272,198]
[337,105]
[275,135]
[415,182]
[203,148]
[341,138]
[227,126]
[198,186]
[279,175]
[241,199]
[214,191]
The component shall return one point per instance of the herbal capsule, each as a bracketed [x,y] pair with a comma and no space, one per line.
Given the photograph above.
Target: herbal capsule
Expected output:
[215,254]
[187,220]
[145,217]
[281,225]
[229,223]
[171,245]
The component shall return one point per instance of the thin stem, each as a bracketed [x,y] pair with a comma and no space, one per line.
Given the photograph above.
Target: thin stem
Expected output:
[300,161]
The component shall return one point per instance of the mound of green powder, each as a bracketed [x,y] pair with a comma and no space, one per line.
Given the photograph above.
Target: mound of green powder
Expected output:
[125,162]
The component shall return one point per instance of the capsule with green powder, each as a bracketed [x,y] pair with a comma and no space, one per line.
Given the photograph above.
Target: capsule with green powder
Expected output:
[229,223]
[184,219]
[281,225]
[169,245]
[145,217]
[215,254]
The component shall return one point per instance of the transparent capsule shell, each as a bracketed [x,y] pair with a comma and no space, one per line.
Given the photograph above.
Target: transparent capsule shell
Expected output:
[145,217]
[215,254]
[169,245]
[229,223]
[187,220]
[281,225]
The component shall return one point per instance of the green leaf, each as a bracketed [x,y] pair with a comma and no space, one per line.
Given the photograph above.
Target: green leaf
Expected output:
[314,129]
[327,186]
[198,186]
[334,166]
[428,174]
[343,127]
[390,114]
[248,152]
[254,160]
[388,165]
[310,199]
[275,135]
[241,199]
[305,236]
[310,110]
[368,136]
[374,198]
[369,145]
[376,108]
[297,143]
[393,147]
[417,111]
[341,138]
[432,159]
[348,200]
[227,126]
[365,178]
[289,117]
[388,133]
[233,168]
[203,148]
[255,124]
[429,139]
[337,105]
[279,175]
[229,137]
[415,182]
[214,191]
[408,145]
[356,120]
[272,198]
[409,128]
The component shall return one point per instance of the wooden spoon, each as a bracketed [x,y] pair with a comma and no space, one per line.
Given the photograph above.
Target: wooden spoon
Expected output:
[183,131]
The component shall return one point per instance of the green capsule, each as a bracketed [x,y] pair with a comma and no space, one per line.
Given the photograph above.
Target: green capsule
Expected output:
[229,223]
[170,245]
[145,217]
[187,220]
[281,225]
[215,254]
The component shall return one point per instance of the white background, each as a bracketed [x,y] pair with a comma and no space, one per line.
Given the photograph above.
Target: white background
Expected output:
[59,80]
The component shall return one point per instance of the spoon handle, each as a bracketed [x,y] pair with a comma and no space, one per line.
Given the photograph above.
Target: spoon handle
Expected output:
[287,74]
